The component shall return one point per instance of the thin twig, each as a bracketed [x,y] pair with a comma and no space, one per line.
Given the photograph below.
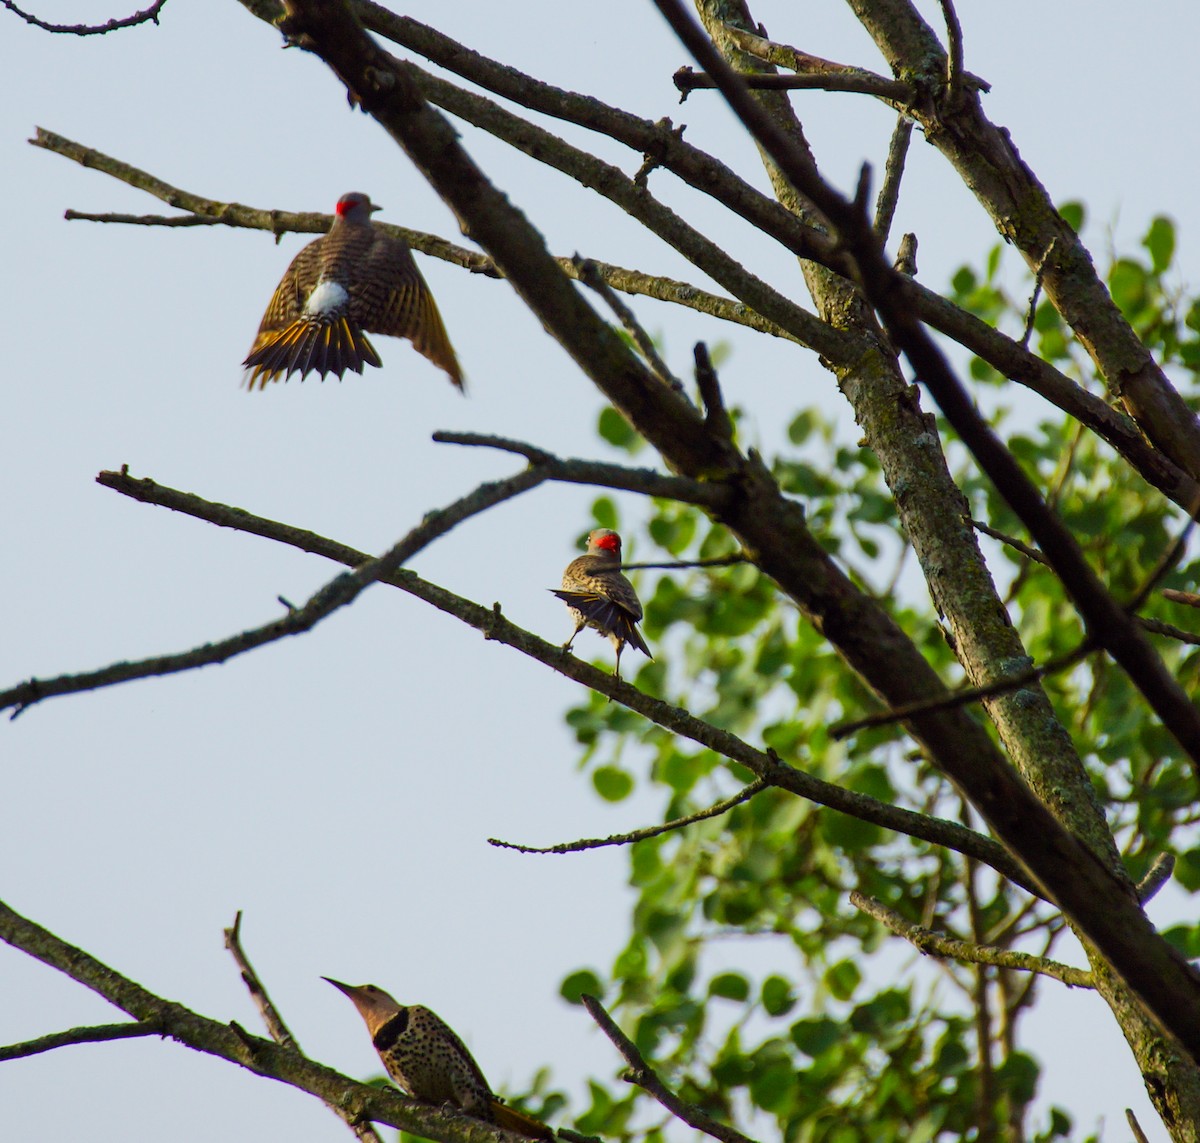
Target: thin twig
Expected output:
[906,256]
[1166,562]
[934,944]
[645,1077]
[1039,274]
[1017,545]
[1139,1136]
[336,594]
[590,276]
[279,1031]
[1187,598]
[893,172]
[966,694]
[1156,877]
[716,417]
[94,1034]
[687,80]
[258,993]
[147,15]
[954,57]
[643,480]
[640,834]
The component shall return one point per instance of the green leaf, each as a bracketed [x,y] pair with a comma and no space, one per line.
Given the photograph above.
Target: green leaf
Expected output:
[777,996]
[612,784]
[1160,241]
[729,986]
[815,1036]
[1127,281]
[1073,214]
[579,983]
[842,979]
[615,429]
[604,512]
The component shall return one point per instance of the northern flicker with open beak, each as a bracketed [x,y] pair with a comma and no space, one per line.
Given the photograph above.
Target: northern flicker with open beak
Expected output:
[429,1062]
[355,280]
[599,596]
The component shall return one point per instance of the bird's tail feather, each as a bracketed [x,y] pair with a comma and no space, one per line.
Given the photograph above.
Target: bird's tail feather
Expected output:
[308,346]
[517,1121]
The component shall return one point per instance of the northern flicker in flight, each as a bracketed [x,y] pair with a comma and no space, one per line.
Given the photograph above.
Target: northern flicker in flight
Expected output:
[599,596]
[355,280]
[429,1062]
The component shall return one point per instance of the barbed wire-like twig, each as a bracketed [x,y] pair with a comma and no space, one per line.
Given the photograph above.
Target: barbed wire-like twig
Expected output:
[636,835]
[645,1077]
[279,1031]
[935,944]
[147,15]
[93,1034]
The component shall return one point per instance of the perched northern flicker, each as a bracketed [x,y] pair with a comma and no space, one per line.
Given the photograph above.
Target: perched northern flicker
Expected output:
[599,596]
[424,1056]
[357,279]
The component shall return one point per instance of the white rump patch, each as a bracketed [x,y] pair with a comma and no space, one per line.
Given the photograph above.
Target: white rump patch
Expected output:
[327,298]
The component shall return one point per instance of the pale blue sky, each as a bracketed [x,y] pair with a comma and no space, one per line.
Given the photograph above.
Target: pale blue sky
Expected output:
[339,787]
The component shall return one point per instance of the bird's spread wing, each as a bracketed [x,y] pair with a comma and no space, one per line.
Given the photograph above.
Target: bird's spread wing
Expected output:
[393,299]
[411,312]
[288,300]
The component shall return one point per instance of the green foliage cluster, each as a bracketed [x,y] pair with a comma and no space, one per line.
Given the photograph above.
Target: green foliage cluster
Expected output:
[748,980]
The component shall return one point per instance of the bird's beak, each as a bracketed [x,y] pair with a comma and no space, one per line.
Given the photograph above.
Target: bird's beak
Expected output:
[374,207]
[348,989]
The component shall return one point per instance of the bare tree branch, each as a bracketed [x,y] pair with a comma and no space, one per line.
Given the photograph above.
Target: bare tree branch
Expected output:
[935,944]
[232,1043]
[645,1077]
[706,174]
[1128,946]
[277,1028]
[1106,620]
[493,625]
[1156,877]
[893,172]
[637,835]
[146,15]
[94,1034]
[336,594]
[590,276]
[861,83]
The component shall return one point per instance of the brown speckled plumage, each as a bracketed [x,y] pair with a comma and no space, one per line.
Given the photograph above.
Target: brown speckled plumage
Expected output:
[371,285]
[599,596]
[428,1061]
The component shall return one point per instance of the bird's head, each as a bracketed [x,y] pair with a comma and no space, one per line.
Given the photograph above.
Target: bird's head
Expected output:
[604,540]
[356,207]
[374,1005]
